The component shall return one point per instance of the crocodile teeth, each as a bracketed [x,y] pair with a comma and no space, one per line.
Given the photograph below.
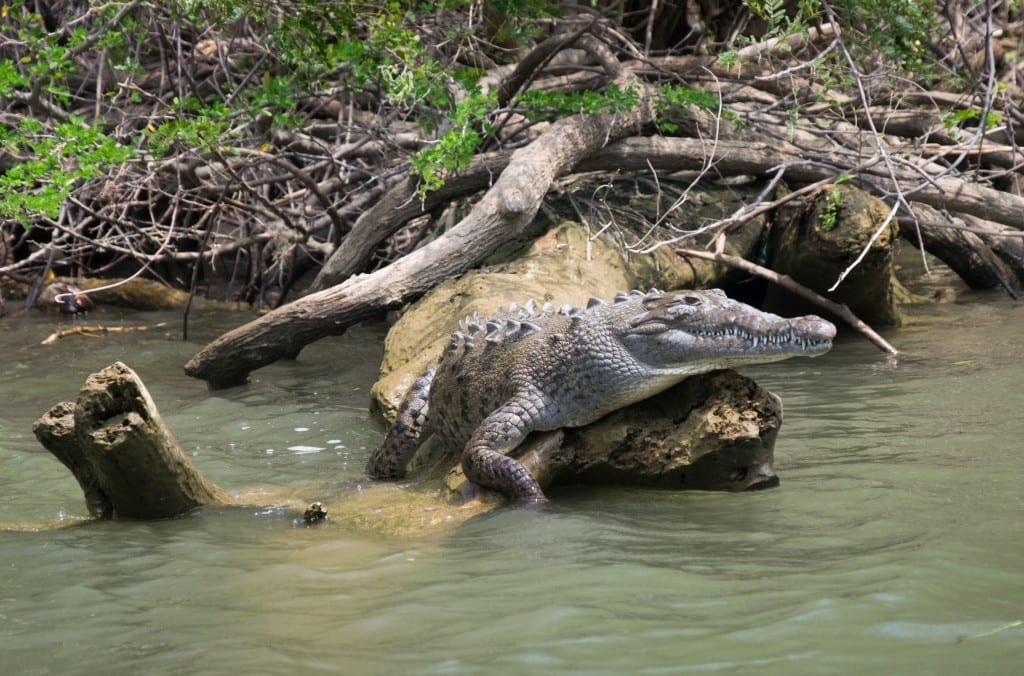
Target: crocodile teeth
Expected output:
[531,306]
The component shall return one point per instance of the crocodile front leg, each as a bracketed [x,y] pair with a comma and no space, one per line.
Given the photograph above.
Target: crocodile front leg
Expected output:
[485,460]
[400,444]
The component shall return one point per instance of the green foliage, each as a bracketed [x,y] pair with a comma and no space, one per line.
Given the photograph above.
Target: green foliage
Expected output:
[456,147]
[309,46]
[470,125]
[56,160]
[513,22]
[197,128]
[829,217]
[775,15]
[539,105]
[678,96]
[898,30]
[11,79]
[971,116]
[55,156]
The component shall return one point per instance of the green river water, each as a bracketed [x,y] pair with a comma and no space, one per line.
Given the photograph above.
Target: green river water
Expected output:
[895,543]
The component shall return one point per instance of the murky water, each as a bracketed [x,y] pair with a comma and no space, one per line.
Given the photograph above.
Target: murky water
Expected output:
[895,543]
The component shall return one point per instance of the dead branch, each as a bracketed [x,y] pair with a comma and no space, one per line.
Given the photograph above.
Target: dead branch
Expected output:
[96,331]
[499,217]
[761,158]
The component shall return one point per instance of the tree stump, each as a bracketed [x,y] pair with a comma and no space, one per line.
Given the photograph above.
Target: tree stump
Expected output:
[817,245]
[125,459]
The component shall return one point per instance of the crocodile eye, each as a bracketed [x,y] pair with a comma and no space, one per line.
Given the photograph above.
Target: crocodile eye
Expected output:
[692,300]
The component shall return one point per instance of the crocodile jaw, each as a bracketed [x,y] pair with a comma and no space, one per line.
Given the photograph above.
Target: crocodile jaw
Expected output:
[695,332]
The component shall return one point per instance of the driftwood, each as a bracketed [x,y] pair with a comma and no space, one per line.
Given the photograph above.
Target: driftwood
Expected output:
[115,443]
[713,432]
[96,331]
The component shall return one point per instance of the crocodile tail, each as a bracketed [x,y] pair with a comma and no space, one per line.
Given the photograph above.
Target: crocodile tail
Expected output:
[403,439]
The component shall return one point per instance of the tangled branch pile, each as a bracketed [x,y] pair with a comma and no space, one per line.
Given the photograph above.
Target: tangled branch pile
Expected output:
[252,143]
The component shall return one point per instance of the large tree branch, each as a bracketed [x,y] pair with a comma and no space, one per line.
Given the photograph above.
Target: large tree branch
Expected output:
[744,157]
[396,208]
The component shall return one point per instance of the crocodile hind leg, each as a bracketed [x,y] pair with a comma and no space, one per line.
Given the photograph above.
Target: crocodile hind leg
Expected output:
[484,458]
[400,444]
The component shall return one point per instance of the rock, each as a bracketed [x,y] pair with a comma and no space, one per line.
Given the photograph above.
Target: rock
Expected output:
[711,432]
[816,245]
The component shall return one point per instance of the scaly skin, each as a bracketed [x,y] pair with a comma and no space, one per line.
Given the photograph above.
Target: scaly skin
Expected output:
[541,368]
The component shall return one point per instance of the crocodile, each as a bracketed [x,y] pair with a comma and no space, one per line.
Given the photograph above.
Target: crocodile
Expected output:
[537,367]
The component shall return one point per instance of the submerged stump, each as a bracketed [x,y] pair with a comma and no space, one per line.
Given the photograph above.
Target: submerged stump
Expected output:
[115,443]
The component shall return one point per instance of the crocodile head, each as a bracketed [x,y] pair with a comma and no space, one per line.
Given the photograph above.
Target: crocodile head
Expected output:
[692,332]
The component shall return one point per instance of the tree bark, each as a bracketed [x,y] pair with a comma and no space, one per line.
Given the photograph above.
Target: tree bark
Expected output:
[125,459]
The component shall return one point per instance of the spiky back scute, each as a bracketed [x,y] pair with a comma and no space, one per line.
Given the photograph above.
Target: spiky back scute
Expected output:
[518,321]
[532,351]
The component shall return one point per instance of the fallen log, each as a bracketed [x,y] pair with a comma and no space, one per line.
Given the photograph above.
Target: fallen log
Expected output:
[502,214]
[128,465]
[115,443]
[712,432]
